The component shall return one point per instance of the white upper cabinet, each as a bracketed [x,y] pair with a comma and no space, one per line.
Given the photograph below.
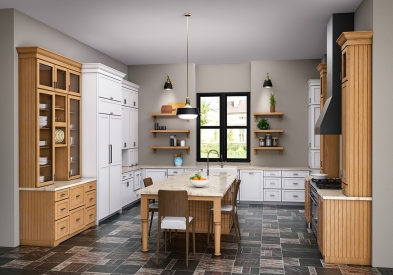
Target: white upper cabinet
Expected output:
[314,91]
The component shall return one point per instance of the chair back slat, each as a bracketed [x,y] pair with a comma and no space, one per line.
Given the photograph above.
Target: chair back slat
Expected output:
[147,182]
[236,190]
[173,203]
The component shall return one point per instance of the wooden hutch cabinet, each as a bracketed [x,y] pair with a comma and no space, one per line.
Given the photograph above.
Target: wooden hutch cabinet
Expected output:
[49,117]
[356,50]
[329,144]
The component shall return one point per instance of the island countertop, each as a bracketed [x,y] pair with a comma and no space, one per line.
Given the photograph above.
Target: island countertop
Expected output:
[218,185]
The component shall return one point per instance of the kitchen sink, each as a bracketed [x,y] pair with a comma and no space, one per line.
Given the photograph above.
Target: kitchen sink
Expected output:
[221,170]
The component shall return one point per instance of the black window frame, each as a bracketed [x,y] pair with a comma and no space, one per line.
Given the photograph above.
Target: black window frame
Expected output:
[223,127]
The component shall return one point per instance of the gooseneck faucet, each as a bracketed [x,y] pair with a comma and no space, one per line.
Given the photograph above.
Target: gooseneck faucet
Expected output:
[212,150]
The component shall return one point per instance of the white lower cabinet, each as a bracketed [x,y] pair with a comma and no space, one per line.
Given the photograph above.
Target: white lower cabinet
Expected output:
[127,188]
[137,183]
[156,174]
[251,186]
[174,172]
[293,185]
[293,195]
[272,194]
[272,185]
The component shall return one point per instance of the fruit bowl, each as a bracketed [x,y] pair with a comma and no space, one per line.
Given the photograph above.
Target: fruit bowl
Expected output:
[199,183]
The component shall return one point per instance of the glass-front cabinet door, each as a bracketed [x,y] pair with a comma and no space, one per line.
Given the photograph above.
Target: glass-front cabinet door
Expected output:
[75,137]
[46,75]
[46,163]
[75,83]
[61,79]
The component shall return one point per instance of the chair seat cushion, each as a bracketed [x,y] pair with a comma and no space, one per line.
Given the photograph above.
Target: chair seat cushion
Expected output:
[174,222]
[153,206]
[225,208]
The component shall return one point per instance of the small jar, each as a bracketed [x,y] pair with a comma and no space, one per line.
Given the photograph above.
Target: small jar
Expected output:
[262,141]
[268,140]
[275,141]
[171,143]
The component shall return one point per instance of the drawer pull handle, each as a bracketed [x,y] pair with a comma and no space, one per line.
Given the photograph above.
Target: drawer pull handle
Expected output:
[272,196]
[78,196]
[62,195]
[91,199]
[295,183]
[295,174]
[63,209]
[91,215]
[272,183]
[78,219]
[271,174]
[63,228]
[91,186]
[295,196]
[251,173]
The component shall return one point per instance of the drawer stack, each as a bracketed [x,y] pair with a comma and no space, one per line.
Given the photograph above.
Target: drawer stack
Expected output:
[50,217]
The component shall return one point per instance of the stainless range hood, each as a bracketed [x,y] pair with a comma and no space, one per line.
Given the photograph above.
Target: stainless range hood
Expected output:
[329,121]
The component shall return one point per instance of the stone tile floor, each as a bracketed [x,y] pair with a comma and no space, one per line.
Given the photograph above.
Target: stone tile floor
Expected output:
[275,240]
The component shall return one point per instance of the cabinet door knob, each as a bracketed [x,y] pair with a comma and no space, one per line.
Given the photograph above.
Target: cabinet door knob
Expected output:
[78,196]
[78,219]
[62,209]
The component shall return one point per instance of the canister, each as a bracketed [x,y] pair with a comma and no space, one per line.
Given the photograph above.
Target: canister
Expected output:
[268,141]
[275,141]
[262,141]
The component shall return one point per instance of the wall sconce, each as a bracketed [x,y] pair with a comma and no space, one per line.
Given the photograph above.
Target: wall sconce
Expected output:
[168,84]
[268,82]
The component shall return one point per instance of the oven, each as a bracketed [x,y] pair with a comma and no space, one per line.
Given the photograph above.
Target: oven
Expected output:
[314,208]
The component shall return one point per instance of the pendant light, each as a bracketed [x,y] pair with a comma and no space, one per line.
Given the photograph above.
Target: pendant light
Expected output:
[187,112]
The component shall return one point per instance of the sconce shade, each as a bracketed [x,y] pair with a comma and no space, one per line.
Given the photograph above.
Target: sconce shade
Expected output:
[168,84]
[267,83]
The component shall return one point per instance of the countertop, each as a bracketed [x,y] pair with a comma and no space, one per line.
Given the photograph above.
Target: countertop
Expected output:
[59,185]
[337,194]
[218,185]
[237,167]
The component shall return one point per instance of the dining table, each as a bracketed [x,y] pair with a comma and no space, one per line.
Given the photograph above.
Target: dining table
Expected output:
[214,191]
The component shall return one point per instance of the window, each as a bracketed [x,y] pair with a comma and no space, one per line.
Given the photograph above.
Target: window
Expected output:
[223,125]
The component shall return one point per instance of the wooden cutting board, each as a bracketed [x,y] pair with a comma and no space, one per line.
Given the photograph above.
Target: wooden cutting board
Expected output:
[176,105]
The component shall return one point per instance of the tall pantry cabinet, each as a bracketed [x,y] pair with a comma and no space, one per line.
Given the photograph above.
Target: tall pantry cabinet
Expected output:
[313,114]
[102,124]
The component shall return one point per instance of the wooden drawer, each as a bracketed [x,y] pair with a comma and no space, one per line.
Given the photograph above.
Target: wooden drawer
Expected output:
[90,214]
[288,183]
[293,195]
[62,194]
[272,183]
[272,195]
[90,198]
[295,174]
[77,219]
[61,209]
[62,228]
[77,196]
[272,173]
[90,186]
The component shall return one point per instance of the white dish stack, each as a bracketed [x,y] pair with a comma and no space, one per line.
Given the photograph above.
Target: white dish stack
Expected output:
[43,121]
[43,106]
[43,160]
[42,178]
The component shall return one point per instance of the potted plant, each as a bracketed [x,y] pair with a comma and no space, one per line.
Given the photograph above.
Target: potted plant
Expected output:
[272,103]
[263,124]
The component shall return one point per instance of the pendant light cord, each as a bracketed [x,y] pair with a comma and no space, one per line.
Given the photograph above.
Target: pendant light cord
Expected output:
[187,15]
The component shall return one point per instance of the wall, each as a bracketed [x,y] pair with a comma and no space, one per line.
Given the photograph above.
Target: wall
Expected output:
[9,203]
[289,85]
[364,16]
[17,30]
[289,78]
[382,147]
[151,97]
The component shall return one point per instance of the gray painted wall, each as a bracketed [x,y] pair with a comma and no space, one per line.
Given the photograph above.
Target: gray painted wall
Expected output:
[289,85]
[382,147]
[364,16]
[19,30]
[151,97]
[9,199]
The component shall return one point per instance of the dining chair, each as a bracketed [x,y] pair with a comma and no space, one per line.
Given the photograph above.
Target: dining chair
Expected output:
[227,209]
[153,207]
[174,214]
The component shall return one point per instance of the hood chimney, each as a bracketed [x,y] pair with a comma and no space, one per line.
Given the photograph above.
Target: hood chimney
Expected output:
[329,121]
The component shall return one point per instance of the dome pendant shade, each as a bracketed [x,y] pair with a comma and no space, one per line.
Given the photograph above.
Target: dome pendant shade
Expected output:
[168,84]
[267,83]
[187,112]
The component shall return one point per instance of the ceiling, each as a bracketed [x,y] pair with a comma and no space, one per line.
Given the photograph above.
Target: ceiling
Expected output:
[139,32]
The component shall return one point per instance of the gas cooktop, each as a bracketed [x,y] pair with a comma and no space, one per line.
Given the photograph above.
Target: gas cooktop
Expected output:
[329,183]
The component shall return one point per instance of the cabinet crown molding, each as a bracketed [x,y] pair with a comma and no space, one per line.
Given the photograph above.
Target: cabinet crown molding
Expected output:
[130,84]
[103,69]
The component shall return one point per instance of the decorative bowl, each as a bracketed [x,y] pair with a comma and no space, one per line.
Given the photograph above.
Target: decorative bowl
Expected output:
[199,183]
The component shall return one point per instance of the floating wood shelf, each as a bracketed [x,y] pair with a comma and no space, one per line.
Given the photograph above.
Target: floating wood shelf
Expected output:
[155,148]
[279,114]
[279,148]
[268,131]
[155,115]
[170,131]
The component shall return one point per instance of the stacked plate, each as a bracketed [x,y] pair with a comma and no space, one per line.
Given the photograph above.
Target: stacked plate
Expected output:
[42,142]
[43,106]
[43,160]
[43,121]
[42,178]
[59,135]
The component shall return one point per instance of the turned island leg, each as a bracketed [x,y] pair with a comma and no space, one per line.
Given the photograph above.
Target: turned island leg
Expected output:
[144,218]
[217,225]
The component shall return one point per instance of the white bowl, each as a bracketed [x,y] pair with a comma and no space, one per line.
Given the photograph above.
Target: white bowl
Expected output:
[199,183]
[319,176]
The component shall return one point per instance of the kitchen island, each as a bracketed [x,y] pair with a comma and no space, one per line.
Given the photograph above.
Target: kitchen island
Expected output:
[201,200]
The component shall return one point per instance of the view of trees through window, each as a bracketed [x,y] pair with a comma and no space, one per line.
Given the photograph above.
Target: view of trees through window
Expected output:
[223,126]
